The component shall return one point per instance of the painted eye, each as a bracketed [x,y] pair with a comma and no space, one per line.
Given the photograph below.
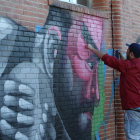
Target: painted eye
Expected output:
[90,65]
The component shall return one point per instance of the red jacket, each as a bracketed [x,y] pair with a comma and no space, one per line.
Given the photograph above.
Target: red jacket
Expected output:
[129,79]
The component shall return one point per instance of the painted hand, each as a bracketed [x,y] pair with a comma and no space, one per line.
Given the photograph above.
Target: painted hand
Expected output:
[29,109]
[13,102]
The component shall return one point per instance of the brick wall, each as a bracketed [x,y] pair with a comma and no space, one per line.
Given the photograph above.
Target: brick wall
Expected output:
[51,86]
[101,4]
[25,12]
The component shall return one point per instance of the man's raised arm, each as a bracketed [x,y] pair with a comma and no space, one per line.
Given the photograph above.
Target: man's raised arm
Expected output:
[95,51]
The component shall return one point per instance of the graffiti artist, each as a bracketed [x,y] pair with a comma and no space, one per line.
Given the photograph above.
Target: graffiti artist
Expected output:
[129,86]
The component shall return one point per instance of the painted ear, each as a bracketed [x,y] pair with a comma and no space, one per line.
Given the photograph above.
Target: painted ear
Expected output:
[52,38]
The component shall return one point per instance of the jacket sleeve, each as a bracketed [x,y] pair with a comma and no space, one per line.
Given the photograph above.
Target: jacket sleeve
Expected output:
[113,62]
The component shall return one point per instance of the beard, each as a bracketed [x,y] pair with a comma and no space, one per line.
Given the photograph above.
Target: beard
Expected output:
[128,56]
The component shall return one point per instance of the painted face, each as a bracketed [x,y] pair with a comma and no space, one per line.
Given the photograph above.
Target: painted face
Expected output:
[79,84]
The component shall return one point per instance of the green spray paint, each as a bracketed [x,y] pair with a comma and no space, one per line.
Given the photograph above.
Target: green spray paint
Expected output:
[98,115]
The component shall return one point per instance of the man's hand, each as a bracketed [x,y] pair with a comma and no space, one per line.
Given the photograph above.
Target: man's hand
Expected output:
[121,55]
[95,51]
[89,47]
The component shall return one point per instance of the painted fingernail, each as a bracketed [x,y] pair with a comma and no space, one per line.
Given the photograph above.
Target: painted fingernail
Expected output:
[26,90]
[25,104]
[6,126]
[42,130]
[7,113]
[10,100]
[20,136]
[27,120]
[44,116]
[46,106]
[10,86]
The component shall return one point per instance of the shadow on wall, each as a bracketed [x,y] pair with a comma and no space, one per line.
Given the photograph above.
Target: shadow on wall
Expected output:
[51,86]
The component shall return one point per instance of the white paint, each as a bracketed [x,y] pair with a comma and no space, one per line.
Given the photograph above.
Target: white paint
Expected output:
[25,104]
[20,136]
[25,119]
[5,28]
[10,100]
[7,113]
[9,86]
[42,130]
[4,126]
[70,1]
[26,90]
[46,106]
[83,121]
[44,116]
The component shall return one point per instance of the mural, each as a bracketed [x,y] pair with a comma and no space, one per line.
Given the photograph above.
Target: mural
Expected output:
[52,88]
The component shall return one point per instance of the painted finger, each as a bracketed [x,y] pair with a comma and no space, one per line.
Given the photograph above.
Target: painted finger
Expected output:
[14,101]
[42,130]
[26,120]
[8,114]
[44,117]
[20,136]
[42,127]
[12,87]
[46,106]
[25,104]
[26,90]
[11,100]
[7,129]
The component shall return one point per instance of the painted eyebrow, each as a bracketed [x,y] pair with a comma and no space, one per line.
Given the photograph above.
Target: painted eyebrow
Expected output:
[87,36]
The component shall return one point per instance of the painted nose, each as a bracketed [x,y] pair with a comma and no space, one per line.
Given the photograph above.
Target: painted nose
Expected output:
[86,74]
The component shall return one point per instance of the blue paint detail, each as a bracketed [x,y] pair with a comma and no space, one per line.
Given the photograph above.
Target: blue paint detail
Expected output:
[97,135]
[38,28]
[103,46]
[124,55]
[103,123]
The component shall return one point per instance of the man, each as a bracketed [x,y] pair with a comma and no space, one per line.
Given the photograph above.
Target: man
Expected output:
[129,86]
